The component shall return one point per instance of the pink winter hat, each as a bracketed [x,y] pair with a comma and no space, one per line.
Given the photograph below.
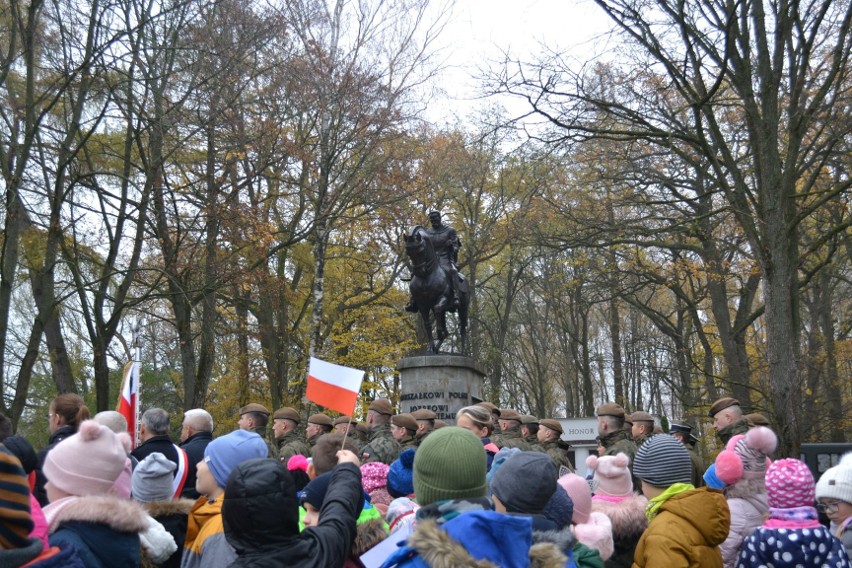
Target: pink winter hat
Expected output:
[746,456]
[612,474]
[374,475]
[87,463]
[790,484]
[578,489]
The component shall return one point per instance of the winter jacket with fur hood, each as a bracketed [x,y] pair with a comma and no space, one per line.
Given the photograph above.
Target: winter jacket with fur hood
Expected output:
[480,539]
[104,529]
[628,524]
[686,532]
[261,517]
[173,515]
[749,508]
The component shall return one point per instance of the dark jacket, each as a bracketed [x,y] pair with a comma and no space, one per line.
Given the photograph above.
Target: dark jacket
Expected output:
[260,513]
[194,447]
[173,516]
[61,433]
[104,530]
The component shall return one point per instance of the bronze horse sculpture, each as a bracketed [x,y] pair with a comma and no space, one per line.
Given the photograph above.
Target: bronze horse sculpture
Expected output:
[432,291]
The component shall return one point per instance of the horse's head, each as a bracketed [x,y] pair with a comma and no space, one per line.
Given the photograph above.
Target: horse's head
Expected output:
[417,244]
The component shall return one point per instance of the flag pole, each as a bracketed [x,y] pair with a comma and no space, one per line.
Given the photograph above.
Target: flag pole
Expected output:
[137,358]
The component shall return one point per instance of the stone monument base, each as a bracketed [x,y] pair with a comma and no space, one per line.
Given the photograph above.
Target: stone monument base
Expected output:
[441,383]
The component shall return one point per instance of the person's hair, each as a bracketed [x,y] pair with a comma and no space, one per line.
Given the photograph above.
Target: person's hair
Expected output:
[614,422]
[156,421]
[325,451]
[480,416]
[113,420]
[736,410]
[5,427]
[379,417]
[71,408]
[198,419]
[260,420]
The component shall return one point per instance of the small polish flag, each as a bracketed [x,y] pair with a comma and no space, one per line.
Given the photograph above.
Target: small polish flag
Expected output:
[128,398]
[333,386]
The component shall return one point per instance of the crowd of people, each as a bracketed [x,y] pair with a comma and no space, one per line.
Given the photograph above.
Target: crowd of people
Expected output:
[404,490]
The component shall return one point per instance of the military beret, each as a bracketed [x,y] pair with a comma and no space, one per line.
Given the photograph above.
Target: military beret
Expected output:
[610,409]
[640,416]
[628,419]
[440,424]
[424,414]
[320,419]
[404,420]
[684,429]
[345,420]
[288,413]
[757,419]
[528,419]
[721,405]
[509,414]
[382,406]
[254,407]
[492,408]
[552,424]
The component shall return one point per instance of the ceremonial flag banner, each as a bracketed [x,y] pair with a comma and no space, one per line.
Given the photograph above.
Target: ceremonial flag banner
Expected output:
[128,399]
[333,386]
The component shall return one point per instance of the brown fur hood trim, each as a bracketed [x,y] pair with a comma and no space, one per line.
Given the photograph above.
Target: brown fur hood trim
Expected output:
[121,515]
[628,517]
[165,508]
[438,550]
[368,535]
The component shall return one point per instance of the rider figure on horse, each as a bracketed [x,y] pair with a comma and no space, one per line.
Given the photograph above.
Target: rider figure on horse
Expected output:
[446,243]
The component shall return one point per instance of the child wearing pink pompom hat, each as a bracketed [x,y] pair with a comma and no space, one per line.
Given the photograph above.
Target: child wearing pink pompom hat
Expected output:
[615,498]
[792,536]
[742,466]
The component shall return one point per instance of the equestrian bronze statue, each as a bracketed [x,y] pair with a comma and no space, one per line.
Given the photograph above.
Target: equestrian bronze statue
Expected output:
[436,285]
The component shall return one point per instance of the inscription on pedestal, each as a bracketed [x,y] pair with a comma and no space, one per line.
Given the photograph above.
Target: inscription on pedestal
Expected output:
[441,383]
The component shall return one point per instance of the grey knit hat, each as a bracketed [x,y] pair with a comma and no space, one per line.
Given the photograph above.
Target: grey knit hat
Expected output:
[152,479]
[662,461]
[525,483]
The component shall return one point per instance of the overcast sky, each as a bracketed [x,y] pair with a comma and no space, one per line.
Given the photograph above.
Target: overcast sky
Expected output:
[480,29]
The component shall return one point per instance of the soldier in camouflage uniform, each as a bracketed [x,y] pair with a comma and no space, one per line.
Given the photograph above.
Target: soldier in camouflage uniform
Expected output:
[612,435]
[643,427]
[254,418]
[683,434]
[549,437]
[381,447]
[529,432]
[510,424]
[425,424]
[403,428]
[285,421]
[349,426]
[728,419]
[318,424]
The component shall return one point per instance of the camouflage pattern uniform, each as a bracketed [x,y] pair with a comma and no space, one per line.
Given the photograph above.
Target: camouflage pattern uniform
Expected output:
[535,445]
[557,449]
[418,439]
[290,444]
[619,441]
[408,442]
[512,439]
[641,440]
[381,447]
[731,430]
[697,467]
[311,442]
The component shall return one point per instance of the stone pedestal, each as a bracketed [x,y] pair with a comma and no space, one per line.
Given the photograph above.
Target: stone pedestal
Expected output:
[442,383]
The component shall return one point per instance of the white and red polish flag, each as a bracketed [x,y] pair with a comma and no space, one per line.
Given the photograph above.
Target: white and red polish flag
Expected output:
[333,386]
[128,398]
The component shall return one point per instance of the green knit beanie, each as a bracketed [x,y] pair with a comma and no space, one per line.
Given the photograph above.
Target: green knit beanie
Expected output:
[449,464]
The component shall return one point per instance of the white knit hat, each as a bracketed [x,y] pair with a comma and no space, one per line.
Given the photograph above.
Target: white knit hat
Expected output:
[836,483]
[87,463]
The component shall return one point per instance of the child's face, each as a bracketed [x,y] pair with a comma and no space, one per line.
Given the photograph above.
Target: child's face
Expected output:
[311,517]
[837,511]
